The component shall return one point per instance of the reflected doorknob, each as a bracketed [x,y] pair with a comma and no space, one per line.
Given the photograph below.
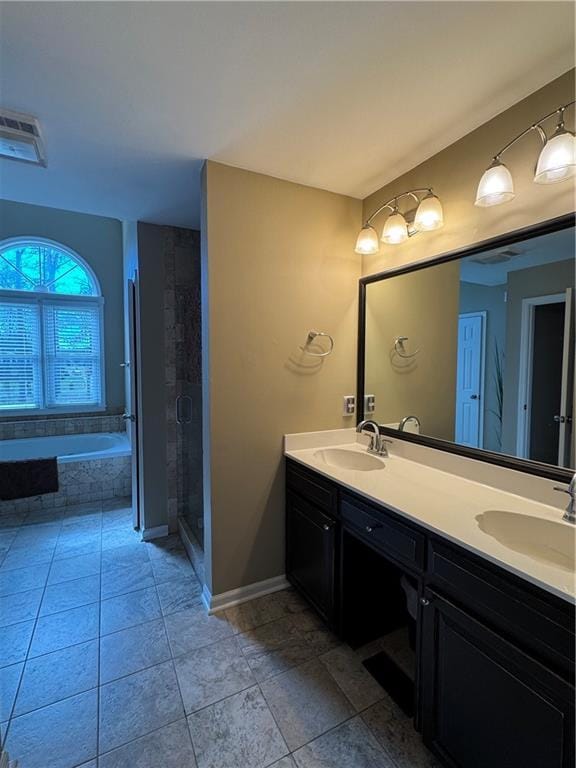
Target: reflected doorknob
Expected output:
[474,397]
[128,417]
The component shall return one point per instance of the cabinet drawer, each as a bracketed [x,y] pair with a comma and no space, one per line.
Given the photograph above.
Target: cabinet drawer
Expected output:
[310,486]
[385,533]
[538,622]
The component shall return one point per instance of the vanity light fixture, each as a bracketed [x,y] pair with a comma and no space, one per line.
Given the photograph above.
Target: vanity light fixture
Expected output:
[556,162]
[399,226]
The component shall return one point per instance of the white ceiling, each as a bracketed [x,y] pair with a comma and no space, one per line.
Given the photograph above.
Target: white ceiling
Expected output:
[536,252]
[343,96]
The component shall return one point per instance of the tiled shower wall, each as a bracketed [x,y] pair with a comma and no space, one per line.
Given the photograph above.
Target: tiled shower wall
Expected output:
[183,376]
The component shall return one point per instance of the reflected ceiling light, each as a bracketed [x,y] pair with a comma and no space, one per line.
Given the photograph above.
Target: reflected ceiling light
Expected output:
[557,162]
[399,226]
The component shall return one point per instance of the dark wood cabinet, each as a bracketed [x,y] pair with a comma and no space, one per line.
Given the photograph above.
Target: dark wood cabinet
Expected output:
[311,554]
[484,701]
[495,674]
[395,540]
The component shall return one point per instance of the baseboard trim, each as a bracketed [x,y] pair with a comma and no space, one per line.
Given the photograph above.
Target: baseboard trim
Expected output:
[154,533]
[193,550]
[214,603]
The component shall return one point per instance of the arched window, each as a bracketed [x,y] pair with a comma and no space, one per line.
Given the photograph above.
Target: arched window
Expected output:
[51,336]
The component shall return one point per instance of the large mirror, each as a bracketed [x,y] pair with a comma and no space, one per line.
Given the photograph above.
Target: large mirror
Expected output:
[476,349]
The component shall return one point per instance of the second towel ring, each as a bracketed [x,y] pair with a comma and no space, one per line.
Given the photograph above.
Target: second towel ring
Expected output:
[310,338]
[401,350]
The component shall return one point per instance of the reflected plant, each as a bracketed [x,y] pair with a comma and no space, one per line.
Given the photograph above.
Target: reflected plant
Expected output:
[498,379]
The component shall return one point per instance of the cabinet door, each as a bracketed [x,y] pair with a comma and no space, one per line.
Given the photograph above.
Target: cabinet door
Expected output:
[310,555]
[485,702]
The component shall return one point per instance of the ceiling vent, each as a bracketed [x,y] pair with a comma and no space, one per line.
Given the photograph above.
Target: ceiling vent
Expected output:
[500,257]
[20,138]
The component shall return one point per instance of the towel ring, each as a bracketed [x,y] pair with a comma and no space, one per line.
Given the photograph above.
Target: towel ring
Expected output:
[310,338]
[400,349]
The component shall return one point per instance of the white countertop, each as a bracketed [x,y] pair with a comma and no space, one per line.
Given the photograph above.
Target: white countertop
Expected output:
[444,503]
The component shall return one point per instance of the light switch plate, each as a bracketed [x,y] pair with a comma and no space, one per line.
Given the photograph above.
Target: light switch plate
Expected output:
[369,404]
[349,405]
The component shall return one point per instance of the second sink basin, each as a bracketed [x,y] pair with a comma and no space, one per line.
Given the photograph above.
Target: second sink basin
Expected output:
[544,540]
[343,458]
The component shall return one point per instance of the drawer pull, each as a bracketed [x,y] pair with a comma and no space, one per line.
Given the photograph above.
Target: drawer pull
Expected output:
[424,601]
[370,528]
[327,526]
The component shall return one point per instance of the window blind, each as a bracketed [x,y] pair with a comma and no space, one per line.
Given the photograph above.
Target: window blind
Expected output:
[72,354]
[20,371]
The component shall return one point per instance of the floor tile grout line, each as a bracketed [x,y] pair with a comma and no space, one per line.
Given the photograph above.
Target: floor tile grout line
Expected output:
[98,652]
[137,738]
[174,657]
[28,658]
[171,660]
[273,716]
[313,658]
[57,701]
[171,649]
[10,718]
[317,655]
[137,671]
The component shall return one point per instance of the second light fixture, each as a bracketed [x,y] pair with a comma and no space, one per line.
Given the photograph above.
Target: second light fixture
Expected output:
[399,226]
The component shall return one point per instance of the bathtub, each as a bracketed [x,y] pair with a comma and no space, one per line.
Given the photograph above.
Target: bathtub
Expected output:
[92,467]
[67,448]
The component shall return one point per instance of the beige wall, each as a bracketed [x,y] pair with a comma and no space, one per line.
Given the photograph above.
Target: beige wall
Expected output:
[454,173]
[278,261]
[425,385]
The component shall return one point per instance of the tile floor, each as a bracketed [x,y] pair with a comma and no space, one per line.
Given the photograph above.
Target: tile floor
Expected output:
[109,660]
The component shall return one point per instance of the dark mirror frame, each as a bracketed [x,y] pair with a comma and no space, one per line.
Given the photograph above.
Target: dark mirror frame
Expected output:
[548,471]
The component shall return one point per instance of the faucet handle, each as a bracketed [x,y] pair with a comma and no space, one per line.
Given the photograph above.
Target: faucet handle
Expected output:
[571,489]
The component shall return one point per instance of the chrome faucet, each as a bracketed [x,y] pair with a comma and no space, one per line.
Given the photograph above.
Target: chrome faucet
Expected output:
[405,421]
[377,441]
[570,513]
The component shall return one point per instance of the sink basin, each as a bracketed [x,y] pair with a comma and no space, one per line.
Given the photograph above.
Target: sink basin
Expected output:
[344,458]
[544,540]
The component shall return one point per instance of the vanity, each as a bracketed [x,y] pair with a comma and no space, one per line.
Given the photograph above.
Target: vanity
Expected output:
[455,534]
[494,682]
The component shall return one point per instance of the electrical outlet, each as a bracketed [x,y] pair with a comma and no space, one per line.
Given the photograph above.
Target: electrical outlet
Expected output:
[369,404]
[349,405]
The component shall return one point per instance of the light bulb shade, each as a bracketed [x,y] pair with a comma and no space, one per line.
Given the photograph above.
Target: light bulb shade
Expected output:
[395,229]
[496,186]
[429,215]
[557,160]
[367,243]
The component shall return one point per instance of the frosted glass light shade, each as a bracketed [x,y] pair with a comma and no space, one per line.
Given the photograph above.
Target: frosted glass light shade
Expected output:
[557,160]
[395,229]
[496,186]
[367,243]
[429,215]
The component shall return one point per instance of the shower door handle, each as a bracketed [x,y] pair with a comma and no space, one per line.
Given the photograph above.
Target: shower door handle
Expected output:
[183,409]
